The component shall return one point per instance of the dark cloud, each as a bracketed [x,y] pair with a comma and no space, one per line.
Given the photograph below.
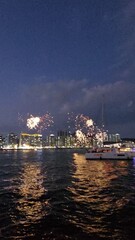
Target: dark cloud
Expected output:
[124,65]
[79,97]
[129,10]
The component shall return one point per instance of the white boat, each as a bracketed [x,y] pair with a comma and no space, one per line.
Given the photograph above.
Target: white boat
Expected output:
[108,154]
[129,150]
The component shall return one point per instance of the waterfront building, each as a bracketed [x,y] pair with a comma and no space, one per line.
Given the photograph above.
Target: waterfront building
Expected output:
[30,140]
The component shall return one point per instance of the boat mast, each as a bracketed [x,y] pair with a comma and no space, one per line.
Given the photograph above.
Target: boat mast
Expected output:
[102,119]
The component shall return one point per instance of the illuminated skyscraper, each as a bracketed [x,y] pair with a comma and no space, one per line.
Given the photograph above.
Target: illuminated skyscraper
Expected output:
[1,141]
[114,137]
[12,140]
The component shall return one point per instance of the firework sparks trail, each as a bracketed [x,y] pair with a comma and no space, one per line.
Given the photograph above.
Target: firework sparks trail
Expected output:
[89,122]
[39,123]
[33,122]
[70,121]
[20,118]
[87,131]
[84,123]
[100,136]
[81,137]
[85,126]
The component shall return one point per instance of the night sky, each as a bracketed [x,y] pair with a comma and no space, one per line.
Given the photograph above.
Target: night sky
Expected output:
[63,56]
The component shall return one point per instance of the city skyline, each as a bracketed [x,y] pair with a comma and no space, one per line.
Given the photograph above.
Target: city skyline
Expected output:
[62,139]
[64,56]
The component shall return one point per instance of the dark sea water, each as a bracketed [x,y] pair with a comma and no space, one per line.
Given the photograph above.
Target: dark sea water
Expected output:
[57,194]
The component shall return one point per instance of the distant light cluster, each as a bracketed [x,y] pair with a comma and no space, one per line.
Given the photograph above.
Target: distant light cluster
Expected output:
[83,126]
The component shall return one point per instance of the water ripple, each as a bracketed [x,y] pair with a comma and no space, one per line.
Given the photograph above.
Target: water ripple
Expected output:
[60,195]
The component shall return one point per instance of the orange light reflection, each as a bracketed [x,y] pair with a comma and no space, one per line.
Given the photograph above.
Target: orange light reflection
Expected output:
[91,186]
[31,205]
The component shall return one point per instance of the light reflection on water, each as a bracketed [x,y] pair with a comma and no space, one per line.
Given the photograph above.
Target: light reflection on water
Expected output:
[93,183]
[30,205]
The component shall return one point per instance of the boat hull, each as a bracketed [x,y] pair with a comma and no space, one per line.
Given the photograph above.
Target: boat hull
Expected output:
[107,156]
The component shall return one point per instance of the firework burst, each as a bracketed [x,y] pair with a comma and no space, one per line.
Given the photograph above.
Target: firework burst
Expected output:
[84,124]
[33,122]
[87,132]
[84,129]
[38,123]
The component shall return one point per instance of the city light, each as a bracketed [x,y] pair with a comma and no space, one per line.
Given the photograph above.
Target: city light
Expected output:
[82,132]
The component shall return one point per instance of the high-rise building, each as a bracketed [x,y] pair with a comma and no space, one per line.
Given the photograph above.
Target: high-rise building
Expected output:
[61,138]
[1,141]
[12,140]
[65,139]
[114,137]
[51,140]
